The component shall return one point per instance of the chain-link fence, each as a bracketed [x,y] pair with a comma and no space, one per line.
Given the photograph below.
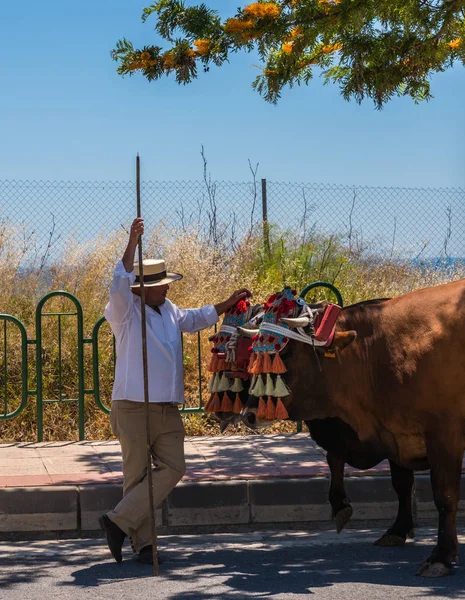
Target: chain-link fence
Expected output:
[393,222]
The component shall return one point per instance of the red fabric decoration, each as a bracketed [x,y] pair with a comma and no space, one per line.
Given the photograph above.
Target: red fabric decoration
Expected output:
[241,306]
[261,412]
[213,363]
[267,364]
[281,412]
[270,409]
[214,404]
[285,307]
[258,365]
[278,366]
[226,403]
[269,302]
[252,360]
[237,404]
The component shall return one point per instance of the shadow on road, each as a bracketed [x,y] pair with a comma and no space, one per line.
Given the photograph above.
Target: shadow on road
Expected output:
[264,567]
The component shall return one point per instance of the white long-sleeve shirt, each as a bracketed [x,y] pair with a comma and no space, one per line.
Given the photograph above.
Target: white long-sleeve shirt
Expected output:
[164,348]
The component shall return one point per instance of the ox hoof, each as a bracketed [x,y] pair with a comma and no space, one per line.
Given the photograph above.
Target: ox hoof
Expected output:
[342,518]
[390,540]
[411,534]
[436,569]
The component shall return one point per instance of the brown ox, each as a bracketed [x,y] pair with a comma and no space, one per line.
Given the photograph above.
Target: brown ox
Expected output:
[398,382]
[343,446]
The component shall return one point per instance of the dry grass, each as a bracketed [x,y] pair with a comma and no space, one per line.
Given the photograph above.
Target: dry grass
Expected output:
[210,275]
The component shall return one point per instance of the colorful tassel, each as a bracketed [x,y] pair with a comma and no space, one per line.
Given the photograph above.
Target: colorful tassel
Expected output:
[278,365]
[237,408]
[261,412]
[237,385]
[259,388]
[220,366]
[269,387]
[253,357]
[252,383]
[226,403]
[281,412]
[223,384]
[213,363]
[267,364]
[258,365]
[270,409]
[214,404]
[280,389]
[212,383]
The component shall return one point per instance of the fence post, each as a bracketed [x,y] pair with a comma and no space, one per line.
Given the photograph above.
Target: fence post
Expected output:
[266,229]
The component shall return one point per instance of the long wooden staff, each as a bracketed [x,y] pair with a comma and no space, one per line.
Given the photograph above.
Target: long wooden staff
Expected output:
[146,384]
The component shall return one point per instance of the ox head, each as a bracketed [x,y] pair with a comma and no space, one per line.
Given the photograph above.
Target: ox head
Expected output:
[292,382]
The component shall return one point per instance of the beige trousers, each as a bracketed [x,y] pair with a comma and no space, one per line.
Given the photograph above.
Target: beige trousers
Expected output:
[132,514]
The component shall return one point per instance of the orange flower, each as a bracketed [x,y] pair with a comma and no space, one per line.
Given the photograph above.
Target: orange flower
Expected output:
[287,48]
[134,65]
[455,44]
[202,46]
[262,10]
[145,56]
[169,60]
[332,48]
[235,25]
[249,35]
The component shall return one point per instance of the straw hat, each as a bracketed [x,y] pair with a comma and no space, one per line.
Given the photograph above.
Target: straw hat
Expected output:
[154,273]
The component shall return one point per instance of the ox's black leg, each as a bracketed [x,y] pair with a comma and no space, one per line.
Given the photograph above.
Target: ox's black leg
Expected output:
[445,459]
[402,482]
[342,511]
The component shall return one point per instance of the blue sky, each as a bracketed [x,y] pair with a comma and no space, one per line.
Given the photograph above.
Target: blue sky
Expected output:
[65,114]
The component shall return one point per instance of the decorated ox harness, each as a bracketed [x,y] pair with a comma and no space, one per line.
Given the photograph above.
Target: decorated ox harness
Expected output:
[230,358]
[265,366]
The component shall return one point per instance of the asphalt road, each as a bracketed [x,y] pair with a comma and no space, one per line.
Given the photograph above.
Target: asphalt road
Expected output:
[281,565]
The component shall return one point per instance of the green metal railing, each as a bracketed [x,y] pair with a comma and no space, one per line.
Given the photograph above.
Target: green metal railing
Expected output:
[80,344]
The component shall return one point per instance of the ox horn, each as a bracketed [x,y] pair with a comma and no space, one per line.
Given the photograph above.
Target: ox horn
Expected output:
[249,333]
[296,322]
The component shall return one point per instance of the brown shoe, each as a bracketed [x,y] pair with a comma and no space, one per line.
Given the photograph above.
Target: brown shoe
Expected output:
[115,537]
[145,556]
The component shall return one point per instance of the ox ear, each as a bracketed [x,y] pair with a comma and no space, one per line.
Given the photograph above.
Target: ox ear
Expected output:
[343,339]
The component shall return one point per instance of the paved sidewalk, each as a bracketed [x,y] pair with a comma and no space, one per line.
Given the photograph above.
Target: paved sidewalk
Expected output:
[208,459]
[230,481]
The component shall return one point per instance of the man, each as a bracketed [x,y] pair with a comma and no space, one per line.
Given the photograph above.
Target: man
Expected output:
[165,322]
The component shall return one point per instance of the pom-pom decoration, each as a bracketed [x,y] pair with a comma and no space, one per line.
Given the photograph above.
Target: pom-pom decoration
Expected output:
[265,363]
[226,373]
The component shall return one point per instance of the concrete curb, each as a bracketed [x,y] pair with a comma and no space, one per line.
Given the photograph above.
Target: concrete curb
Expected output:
[205,506]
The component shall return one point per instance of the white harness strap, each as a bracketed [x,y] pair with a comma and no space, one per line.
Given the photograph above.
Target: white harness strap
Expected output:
[227,329]
[298,334]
